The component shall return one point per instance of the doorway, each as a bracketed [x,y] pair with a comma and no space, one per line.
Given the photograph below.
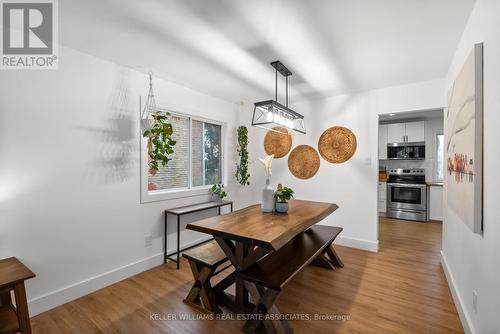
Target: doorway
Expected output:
[411,170]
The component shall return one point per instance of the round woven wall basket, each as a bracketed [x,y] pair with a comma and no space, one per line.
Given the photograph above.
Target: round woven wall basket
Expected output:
[337,144]
[278,142]
[303,162]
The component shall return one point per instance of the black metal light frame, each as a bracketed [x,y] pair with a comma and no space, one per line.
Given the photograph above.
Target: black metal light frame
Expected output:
[270,113]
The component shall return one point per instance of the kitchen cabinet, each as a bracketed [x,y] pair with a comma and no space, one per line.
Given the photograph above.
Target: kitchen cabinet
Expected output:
[382,141]
[382,197]
[406,132]
[436,203]
[415,131]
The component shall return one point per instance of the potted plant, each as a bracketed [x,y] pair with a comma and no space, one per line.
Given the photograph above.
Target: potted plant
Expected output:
[283,195]
[218,192]
[160,141]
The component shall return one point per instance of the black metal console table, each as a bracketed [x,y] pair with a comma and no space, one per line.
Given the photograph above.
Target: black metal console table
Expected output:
[181,211]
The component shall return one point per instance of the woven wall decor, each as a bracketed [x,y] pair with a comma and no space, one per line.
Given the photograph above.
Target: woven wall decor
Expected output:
[278,142]
[337,144]
[303,162]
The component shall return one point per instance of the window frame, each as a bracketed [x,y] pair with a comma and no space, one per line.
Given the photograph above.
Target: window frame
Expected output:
[189,191]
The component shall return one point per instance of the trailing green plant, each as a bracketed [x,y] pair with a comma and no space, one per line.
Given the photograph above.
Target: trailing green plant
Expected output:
[242,175]
[218,190]
[284,194]
[160,141]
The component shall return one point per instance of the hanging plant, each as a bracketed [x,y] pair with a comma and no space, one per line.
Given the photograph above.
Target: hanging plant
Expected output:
[160,142]
[242,175]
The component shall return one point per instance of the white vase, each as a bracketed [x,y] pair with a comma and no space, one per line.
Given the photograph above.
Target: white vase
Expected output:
[267,198]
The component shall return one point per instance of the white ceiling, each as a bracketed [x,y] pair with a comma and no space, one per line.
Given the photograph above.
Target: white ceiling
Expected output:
[223,47]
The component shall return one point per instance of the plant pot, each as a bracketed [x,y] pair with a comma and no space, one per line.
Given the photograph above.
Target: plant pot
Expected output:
[282,207]
[216,198]
[152,171]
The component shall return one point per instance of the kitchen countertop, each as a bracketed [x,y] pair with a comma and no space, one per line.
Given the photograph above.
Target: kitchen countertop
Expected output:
[435,184]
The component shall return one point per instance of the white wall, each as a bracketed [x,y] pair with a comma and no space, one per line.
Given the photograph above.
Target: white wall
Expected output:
[69,174]
[352,185]
[471,260]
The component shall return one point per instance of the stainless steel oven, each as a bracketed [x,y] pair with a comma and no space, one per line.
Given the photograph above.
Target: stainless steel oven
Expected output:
[407,194]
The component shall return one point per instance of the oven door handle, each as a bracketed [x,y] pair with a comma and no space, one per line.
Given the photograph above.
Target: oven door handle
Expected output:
[407,185]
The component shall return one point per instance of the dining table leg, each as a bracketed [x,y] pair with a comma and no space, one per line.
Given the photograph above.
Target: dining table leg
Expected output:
[242,255]
[241,291]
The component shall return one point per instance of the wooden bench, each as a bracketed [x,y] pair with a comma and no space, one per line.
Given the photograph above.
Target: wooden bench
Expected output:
[266,278]
[204,261]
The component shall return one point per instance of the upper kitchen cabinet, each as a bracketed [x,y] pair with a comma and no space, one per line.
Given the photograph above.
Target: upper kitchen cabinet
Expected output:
[382,141]
[396,133]
[406,132]
[415,132]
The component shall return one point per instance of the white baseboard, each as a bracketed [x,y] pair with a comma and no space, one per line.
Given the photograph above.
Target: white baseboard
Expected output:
[76,290]
[460,305]
[368,245]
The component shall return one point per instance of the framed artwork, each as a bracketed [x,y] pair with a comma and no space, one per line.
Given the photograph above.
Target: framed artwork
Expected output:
[464,142]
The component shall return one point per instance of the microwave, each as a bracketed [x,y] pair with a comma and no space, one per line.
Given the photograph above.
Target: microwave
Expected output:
[406,151]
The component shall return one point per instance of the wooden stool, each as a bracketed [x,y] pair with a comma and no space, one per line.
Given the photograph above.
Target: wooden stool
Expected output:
[204,261]
[14,319]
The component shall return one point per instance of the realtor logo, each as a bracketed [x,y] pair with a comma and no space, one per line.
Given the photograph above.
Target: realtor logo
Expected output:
[29,34]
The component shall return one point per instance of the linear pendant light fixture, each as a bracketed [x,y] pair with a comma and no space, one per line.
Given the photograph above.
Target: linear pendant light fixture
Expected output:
[269,114]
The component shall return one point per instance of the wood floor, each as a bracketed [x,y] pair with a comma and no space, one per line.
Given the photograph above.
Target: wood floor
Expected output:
[401,289]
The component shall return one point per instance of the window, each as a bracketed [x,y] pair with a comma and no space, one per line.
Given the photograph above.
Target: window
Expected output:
[206,157]
[197,159]
[439,157]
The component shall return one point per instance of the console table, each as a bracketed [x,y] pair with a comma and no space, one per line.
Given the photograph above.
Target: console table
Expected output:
[14,319]
[181,211]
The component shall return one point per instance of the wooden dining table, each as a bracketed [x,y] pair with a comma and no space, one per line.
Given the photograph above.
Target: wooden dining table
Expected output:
[248,234]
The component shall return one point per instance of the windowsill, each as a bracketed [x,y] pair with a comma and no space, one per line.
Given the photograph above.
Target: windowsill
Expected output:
[165,195]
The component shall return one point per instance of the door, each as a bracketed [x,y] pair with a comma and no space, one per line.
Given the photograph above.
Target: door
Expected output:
[382,141]
[415,132]
[396,132]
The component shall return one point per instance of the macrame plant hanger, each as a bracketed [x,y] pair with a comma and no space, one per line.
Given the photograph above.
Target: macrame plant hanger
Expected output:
[149,107]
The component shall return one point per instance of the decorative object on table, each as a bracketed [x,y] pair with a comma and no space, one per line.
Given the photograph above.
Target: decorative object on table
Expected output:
[158,130]
[267,204]
[337,144]
[303,162]
[464,142]
[270,113]
[283,195]
[242,175]
[278,142]
[218,192]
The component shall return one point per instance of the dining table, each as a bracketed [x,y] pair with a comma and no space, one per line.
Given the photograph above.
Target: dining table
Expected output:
[249,234]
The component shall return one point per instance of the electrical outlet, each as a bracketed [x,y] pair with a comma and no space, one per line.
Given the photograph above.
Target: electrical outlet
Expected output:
[149,241]
[474,300]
